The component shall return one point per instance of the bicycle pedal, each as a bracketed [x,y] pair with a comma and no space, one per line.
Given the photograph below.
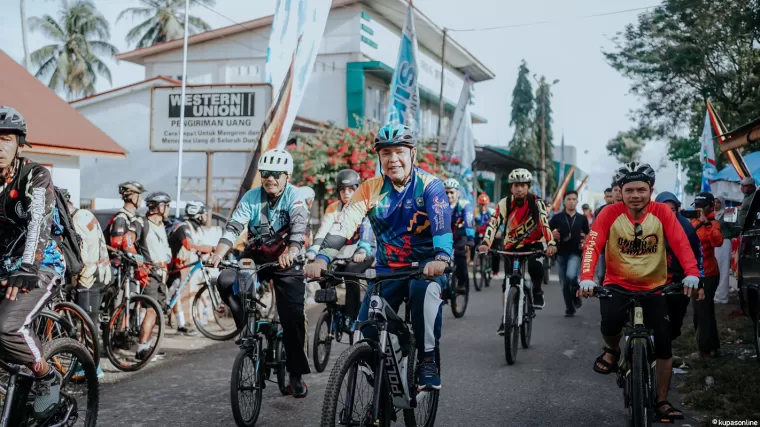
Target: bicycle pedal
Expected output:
[659,420]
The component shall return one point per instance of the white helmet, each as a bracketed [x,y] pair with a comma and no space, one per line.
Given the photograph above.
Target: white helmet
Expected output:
[451,183]
[306,193]
[194,209]
[520,175]
[276,160]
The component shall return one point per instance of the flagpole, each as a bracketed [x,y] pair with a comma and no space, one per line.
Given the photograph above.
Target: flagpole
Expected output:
[182,110]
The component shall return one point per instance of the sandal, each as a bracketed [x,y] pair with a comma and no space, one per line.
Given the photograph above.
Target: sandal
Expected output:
[607,367]
[672,413]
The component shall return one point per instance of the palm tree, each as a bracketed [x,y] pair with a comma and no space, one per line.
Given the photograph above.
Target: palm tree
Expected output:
[72,63]
[165,21]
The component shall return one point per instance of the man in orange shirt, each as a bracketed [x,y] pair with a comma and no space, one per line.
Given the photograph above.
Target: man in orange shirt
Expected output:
[708,230]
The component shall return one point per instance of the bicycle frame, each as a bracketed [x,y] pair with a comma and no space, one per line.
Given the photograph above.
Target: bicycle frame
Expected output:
[19,384]
[194,267]
[517,279]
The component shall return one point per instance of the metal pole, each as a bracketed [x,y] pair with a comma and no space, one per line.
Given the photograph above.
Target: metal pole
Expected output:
[440,100]
[182,110]
[543,141]
[23,34]
[209,184]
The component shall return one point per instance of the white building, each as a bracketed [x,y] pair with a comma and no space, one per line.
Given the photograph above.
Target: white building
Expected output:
[351,78]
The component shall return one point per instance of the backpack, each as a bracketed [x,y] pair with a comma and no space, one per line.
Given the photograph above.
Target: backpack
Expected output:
[67,238]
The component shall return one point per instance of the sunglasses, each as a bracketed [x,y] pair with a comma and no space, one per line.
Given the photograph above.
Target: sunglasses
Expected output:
[275,174]
[637,232]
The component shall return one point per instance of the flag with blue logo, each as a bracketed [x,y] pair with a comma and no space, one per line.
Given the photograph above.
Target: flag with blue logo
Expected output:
[707,155]
[404,103]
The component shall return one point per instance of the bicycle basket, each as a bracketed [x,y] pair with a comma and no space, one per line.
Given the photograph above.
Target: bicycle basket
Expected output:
[326,295]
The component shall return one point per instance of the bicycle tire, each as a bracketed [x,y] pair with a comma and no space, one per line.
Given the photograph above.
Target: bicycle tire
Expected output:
[325,319]
[511,334]
[111,351]
[410,415]
[757,335]
[84,360]
[489,271]
[43,327]
[476,268]
[457,308]
[88,334]
[361,352]
[254,356]
[281,358]
[526,329]
[641,400]
[197,315]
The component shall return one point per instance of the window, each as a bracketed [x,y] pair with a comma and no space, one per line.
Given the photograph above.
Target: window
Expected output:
[375,104]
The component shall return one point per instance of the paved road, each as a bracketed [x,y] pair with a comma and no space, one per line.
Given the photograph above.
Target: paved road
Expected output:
[551,384]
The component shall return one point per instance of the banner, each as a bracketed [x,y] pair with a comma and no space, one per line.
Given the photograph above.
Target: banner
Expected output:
[562,159]
[561,190]
[283,40]
[461,141]
[707,155]
[404,104]
[734,157]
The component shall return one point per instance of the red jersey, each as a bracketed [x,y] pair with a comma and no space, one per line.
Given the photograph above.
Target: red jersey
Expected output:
[636,261]
[526,223]
[710,237]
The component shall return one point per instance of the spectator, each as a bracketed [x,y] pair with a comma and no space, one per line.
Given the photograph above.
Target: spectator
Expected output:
[615,195]
[608,196]
[708,230]
[748,189]
[569,229]
[729,230]
[588,213]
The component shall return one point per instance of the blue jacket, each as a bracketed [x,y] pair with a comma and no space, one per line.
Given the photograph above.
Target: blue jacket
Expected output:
[675,271]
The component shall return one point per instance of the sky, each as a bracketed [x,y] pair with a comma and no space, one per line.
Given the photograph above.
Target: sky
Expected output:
[591,101]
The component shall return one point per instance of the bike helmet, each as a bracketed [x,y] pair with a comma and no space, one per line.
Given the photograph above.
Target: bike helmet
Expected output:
[520,175]
[13,122]
[157,197]
[451,183]
[194,209]
[131,187]
[395,135]
[276,160]
[483,199]
[347,178]
[306,193]
[634,171]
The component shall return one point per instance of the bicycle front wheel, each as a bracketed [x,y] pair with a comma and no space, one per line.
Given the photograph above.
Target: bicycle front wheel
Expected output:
[212,317]
[86,332]
[640,409]
[82,396]
[459,299]
[526,329]
[246,386]
[281,359]
[124,331]
[322,341]
[477,268]
[511,333]
[426,409]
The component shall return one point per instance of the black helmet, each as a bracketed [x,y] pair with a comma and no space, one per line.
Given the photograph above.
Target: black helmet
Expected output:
[634,171]
[194,209]
[130,187]
[347,178]
[157,197]
[12,121]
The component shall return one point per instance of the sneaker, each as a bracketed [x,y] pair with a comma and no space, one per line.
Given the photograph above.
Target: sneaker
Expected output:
[47,390]
[538,301]
[500,331]
[79,374]
[569,313]
[578,303]
[428,378]
[298,387]
[142,354]
[187,330]
[495,276]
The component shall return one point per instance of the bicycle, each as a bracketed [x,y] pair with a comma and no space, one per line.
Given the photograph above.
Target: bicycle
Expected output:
[454,297]
[518,305]
[390,359]
[260,340]
[84,329]
[481,264]
[636,367]
[122,313]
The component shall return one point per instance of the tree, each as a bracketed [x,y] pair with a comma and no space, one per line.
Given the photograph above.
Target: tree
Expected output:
[683,53]
[544,111]
[72,63]
[165,21]
[626,146]
[523,145]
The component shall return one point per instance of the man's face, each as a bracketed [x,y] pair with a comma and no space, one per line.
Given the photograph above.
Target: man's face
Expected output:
[346,193]
[617,195]
[397,162]
[672,206]
[608,197]
[453,195]
[274,182]
[718,205]
[706,207]
[571,202]
[587,212]
[520,190]
[636,195]
[748,189]
[8,147]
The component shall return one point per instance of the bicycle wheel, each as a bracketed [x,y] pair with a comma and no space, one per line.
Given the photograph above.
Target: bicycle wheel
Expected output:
[526,329]
[246,386]
[423,415]
[86,332]
[281,358]
[640,410]
[352,380]
[122,335]
[459,299]
[49,326]
[211,316]
[476,268]
[511,333]
[79,399]
[488,270]
[322,341]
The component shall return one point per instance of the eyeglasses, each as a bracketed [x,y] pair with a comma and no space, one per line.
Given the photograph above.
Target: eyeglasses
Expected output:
[637,232]
[275,174]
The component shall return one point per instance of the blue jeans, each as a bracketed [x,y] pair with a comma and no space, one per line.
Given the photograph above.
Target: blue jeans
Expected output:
[425,303]
[569,268]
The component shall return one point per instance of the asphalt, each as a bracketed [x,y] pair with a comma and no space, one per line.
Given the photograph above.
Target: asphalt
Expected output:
[551,384]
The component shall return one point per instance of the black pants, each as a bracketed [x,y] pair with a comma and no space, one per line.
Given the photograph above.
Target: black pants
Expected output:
[289,290]
[677,305]
[704,317]
[89,299]
[353,290]
[462,267]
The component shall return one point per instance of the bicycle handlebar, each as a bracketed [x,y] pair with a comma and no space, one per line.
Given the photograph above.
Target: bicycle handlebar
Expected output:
[372,274]
[606,291]
[519,253]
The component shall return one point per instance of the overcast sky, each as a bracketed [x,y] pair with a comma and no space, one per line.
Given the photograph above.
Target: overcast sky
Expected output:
[591,101]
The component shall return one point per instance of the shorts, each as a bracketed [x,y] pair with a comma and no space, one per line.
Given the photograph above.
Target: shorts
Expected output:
[156,289]
[615,314]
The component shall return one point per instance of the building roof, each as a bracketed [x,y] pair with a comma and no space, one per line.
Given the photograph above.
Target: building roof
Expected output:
[428,33]
[54,126]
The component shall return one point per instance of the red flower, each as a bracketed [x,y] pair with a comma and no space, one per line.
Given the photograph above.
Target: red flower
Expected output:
[342,149]
[355,157]
[330,151]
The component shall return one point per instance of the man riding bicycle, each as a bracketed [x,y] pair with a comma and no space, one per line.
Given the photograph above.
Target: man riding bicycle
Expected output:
[635,233]
[411,217]
[277,222]
[527,229]
[483,213]
[32,264]
[462,225]
[359,252]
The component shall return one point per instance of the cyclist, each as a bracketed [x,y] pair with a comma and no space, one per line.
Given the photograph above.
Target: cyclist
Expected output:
[33,265]
[634,232]
[483,213]
[183,242]
[412,222]
[359,250]
[462,226]
[277,222]
[527,228]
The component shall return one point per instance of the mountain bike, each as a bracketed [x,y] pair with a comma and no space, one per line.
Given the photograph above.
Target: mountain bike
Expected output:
[455,297]
[482,271]
[84,329]
[262,350]
[122,313]
[636,369]
[386,363]
[518,304]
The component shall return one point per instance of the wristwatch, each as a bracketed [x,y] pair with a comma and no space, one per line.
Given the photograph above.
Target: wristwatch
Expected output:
[443,258]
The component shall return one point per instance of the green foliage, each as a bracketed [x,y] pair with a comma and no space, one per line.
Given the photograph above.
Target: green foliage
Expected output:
[165,21]
[544,112]
[71,64]
[524,145]
[626,146]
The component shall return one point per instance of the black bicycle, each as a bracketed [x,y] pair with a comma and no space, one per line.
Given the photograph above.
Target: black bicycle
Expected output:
[482,271]
[518,304]
[262,350]
[455,296]
[84,329]
[636,367]
[385,362]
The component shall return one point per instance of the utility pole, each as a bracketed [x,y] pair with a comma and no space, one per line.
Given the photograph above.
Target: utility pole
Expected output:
[440,100]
